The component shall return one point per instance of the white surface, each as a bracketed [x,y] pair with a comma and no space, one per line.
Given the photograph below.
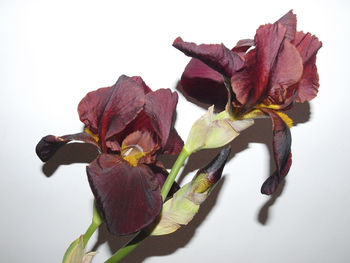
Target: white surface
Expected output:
[53,52]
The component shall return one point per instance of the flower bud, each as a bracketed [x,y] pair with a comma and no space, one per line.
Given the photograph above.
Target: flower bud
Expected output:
[185,203]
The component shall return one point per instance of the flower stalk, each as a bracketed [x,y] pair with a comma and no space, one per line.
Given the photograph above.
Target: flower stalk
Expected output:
[96,222]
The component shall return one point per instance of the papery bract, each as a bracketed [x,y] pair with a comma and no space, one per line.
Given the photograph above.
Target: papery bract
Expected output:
[278,70]
[76,253]
[209,131]
[130,124]
[185,203]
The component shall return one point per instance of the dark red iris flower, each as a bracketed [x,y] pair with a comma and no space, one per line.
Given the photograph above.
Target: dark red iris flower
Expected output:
[130,125]
[267,75]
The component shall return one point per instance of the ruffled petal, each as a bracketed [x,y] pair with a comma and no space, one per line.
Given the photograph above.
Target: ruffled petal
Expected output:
[287,72]
[282,141]
[140,81]
[174,144]
[160,107]
[50,144]
[128,197]
[251,84]
[307,45]
[268,39]
[204,84]
[140,147]
[92,106]
[110,114]
[289,21]
[309,83]
[243,45]
[216,56]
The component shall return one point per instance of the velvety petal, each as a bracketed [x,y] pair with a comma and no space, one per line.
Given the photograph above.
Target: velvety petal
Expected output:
[204,84]
[124,101]
[243,45]
[242,82]
[268,41]
[250,85]
[140,81]
[160,107]
[128,197]
[287,72]
[289,21]
[92,106]
[281,150]
[162,175]
[309,83]
[174,144]
[49,144]
[308,45]
[216,56]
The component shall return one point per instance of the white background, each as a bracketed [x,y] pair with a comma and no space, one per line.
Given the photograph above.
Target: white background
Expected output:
[53,52]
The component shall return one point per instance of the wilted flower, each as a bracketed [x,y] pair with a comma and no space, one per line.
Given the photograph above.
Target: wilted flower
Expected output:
[130,125]
[266,76]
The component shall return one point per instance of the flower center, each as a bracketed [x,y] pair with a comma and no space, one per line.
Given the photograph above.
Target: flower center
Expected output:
[132,154]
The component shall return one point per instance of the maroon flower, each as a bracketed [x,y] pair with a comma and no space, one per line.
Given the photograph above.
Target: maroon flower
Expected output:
[267,75]
[130,124]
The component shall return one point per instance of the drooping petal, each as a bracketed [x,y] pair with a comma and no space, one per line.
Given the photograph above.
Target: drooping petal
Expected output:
[204,84]
[281,150]
[289,21]
[216,56]
[287,72]
[128,197]
[111,113]
[161,173]
[174,144]
[50,144]
[160,107]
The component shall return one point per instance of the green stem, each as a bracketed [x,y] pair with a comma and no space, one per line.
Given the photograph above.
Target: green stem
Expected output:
[136,241]
[96,222]
[173,173]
